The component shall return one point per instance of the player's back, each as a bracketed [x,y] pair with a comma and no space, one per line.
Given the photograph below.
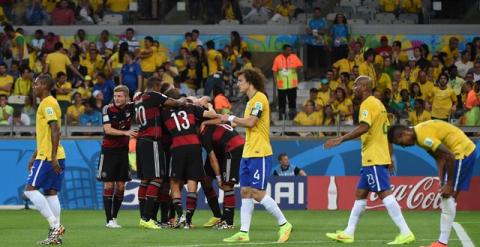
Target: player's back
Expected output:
[148,114]
[181,123]
[47,111]
[257,139]
[223,137]
[375,145]
[432,133]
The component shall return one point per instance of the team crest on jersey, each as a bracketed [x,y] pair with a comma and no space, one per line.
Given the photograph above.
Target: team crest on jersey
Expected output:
[258,106]
[364,113]
[428,142]
[49,111]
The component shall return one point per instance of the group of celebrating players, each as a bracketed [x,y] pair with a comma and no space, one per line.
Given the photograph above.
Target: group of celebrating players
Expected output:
[173,130]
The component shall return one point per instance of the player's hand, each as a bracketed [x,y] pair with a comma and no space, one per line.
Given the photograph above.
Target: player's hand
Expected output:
[131,133]
[224,118]
[391,168]
[30,165]
[56,166]
[330,143]
[447,191]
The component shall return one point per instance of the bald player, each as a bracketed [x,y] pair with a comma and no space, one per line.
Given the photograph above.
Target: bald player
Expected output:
[377,164]
[455,155]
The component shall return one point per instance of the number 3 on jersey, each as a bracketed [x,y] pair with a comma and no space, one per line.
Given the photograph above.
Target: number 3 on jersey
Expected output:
[185,123]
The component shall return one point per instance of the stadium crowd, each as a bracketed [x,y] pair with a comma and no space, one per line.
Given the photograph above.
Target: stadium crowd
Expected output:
[415,85]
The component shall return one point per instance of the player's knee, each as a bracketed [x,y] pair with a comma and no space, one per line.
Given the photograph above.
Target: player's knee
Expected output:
[361,194]
[50,192]
[383,194]
[30,188]
[108,186]
[246,193]
[120,186]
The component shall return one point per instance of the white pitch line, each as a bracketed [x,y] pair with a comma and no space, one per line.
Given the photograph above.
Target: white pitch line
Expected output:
[287,243]
[462,235]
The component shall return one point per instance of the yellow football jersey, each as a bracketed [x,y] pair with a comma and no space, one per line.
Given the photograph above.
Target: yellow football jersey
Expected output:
[257,139]
[429,138]
[47,111]
[375,145]
[442,102]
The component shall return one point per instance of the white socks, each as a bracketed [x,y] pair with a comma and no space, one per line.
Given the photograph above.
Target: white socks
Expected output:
[395,213]
[246,211]
[54,204]
[41,203]
[272,207]
[357,211]
[449,209]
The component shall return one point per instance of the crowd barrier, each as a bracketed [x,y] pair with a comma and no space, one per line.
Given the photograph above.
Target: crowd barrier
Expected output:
[330,184]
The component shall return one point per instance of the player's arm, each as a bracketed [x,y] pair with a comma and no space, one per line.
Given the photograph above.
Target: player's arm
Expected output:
[109,130]
[391,167]
[446,164]
[75,70]
[361,129]
[174,102]
[215,166]
[55,139]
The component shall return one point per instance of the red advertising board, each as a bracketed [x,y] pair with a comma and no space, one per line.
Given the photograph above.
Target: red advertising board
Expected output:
[412,193]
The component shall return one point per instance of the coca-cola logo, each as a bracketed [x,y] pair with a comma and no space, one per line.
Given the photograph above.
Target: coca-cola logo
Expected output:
[421,195]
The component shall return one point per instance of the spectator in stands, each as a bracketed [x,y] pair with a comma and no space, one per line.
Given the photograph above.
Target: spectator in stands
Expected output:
[413,7]
[36,44]
[388,67]
[85,87]
[98,100]
[342,106]
[316,41]
[221,104]
[285,73]
[260,7]
[75,110]
[188,42]
[237,44]
[437,67]
[116,62]
[476,71]
[215,68]
[247,60]
[390,6]
[330,75]
[464,64]
[131,74]
[19,118]
[63,89]
[231,11]
[119,7]
[384,49]
[420,114]
[105,86]
[93,61]
[286,169]
[426,86]
[63,14]
[181,61]
[90,116]
[35,14]
[50,42]
[84,13]
[314,97]
[284,11]
[422,61]
[81,40]
[130,39]
[23,85]
[472,111]
[346,83]
[383,80]
[6,80]
[29,109]
[147,57]
[324,90]
[399,57]
[309,116]
[58,62]
[455,82]
[18,45]
[340,36]
[443,99]
[14,70]
[72,77]
[403,106]
[104,42]
[451,50]
[367,68]
[5,110]
[49,5]
[346,64]
[3,16]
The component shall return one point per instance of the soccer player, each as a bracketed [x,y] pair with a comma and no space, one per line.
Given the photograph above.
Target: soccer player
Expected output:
[48,161]
[376,163]
[113,168]
[256,163]
[186,155]
[150,155]
[455,155]
[224,147]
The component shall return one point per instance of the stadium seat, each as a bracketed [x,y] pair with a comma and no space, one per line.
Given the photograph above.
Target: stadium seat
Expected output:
[280,21]
[364,12]
[385,18]
[356,21]
[346,10]
[245,3]
[300,19]
[371,3]
[16,100]
[408,17]
[257,19]
[111,19]
[229,22]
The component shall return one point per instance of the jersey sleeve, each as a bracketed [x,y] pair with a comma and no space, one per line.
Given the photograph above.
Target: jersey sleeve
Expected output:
[106,115]
[365,115]
[49,112]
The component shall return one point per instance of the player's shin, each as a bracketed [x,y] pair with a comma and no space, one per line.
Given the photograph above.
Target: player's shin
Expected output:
[117,203]
[142,192]
[449,209]
[357,211]
[395,213]
[229,206]
[55,206]
[191,206]
[165,201]
[212,199]
[272,207]
[107,202]
[246,211]
[151,200]
[42,206]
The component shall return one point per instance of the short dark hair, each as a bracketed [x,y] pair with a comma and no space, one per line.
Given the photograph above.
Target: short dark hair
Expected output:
[317,8]
[130,30]
[210,44]
[8,28]
[152,81]
[369,52]
[47,80]
[61,73]
[395,131]
[188,34]
[285,46]
[149,38]
[195,31]
[58,46]
[247,54]
[281,155]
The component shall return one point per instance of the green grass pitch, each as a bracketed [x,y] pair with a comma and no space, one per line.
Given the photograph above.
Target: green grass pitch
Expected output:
[86,228]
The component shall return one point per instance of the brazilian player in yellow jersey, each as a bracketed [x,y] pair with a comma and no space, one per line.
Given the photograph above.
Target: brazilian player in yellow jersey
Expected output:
[377,164]
[256,163]
[48,161]
[455,155]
